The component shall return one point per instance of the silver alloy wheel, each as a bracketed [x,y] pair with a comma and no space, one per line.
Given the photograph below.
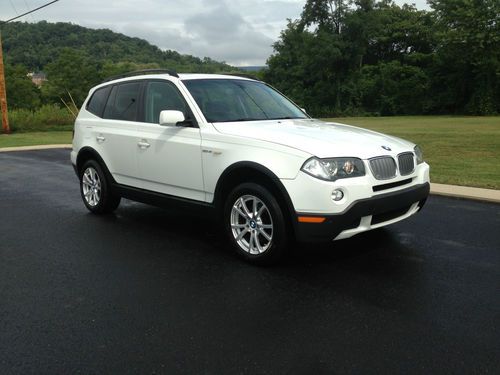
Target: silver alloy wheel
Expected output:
[251,224]
[91,186]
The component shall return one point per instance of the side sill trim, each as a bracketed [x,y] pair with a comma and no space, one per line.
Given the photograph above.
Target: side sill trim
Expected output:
[162,200]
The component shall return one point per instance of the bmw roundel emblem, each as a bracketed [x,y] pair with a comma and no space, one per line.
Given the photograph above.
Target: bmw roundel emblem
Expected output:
[387,148]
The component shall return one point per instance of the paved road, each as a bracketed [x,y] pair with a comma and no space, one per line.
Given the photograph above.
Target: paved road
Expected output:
[148,291]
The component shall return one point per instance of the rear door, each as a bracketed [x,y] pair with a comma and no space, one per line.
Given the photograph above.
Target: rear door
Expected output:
[117,133]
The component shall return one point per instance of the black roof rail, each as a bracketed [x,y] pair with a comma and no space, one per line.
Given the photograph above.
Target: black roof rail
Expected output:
[173,73]
[242,75]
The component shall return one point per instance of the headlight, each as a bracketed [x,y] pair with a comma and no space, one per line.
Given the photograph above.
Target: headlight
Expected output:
[334,168]
[419,154]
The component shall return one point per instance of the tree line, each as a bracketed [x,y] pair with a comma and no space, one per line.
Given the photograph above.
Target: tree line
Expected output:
[368,57]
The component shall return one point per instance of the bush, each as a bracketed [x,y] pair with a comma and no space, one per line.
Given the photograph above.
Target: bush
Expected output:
[45,118]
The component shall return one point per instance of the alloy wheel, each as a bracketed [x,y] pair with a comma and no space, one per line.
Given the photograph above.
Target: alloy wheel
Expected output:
[91,187]
[251,224]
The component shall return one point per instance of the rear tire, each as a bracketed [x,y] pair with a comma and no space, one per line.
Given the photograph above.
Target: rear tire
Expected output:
[254,224]
[95,189]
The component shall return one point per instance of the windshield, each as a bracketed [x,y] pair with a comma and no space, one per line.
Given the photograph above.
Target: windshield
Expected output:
[224,100]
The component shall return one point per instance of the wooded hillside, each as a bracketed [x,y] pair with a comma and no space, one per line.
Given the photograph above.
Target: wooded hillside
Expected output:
[35,45]
[76,58]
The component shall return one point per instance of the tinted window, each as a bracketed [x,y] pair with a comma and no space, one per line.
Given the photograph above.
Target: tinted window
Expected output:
[162,96]
[122,102]
[223,100]
[98,100]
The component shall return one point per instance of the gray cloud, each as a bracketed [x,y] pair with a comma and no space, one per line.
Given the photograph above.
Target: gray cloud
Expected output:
[239,32]
[225,35]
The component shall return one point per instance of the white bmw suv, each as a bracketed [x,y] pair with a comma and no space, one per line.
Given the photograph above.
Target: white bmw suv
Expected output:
[242,152]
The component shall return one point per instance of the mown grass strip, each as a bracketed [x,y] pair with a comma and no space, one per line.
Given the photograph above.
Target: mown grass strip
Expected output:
[35,138]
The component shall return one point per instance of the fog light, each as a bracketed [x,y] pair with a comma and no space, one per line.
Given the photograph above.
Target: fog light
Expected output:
[337,195]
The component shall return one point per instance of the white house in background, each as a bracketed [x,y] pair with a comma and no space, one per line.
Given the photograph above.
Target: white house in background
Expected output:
[37,78]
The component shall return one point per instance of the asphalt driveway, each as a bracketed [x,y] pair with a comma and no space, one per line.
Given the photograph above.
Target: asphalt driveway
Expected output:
[151,291]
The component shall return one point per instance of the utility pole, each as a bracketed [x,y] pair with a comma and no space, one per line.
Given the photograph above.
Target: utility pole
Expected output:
[3,93]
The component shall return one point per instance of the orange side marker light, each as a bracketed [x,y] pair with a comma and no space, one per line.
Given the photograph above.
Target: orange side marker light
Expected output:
[311,219]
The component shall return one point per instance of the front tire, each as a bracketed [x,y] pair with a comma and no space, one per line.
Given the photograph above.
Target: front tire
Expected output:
[254,224]
[95,189]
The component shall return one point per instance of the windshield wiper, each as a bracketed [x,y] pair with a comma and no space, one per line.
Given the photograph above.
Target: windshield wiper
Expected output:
[260,119]
[243,119]
[286,118]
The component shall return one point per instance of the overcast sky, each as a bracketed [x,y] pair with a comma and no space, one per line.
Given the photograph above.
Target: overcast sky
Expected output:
[240,32]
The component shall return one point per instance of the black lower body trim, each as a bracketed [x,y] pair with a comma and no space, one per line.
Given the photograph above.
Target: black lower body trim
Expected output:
[163,200]
[381,206]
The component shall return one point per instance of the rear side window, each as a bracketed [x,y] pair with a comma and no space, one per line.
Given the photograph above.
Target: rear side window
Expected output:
[123,102]
[98,101]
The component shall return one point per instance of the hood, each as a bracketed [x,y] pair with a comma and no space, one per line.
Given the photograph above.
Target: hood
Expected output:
[318,138]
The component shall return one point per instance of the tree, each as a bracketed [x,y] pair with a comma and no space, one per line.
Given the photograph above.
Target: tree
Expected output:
[335,59]
[72,73]
[309,67]
[394,88]
[468,55]
[21,92]
[326,14]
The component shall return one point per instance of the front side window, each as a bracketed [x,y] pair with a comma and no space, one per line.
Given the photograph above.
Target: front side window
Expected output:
[225,100]
[122,102]
[162,96]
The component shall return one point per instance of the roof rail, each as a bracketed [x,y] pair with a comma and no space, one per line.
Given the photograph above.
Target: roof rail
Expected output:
[141,72]
[242,75]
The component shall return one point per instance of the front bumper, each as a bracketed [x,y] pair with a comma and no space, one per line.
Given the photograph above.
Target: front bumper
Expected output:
[364,214]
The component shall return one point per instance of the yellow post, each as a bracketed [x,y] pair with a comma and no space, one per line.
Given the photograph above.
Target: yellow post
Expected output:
[3,94]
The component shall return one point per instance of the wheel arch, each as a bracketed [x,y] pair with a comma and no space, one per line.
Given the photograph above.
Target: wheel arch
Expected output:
[88,153]
[247,171]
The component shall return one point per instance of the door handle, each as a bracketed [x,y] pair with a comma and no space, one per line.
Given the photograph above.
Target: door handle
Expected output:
[143,144]
[100,138]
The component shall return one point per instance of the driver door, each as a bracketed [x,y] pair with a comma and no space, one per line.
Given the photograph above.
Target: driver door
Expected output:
[168,157]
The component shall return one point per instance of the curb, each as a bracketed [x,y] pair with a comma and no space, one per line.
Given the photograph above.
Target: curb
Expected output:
[479,194]
[31,148]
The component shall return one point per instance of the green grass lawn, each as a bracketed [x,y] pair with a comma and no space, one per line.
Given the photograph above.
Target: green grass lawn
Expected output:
[460,150]
[35,138]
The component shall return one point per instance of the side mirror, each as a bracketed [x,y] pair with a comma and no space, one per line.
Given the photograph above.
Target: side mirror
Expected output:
[171,118]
